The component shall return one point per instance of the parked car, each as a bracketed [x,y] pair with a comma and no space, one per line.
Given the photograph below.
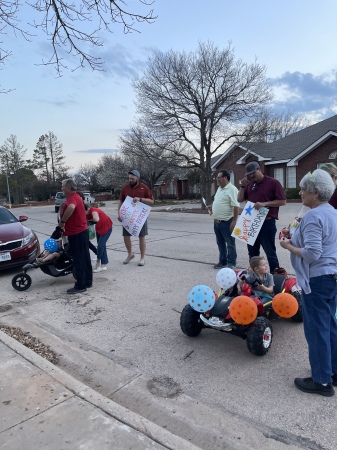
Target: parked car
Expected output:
[18,244]
[60,198]
[88,198]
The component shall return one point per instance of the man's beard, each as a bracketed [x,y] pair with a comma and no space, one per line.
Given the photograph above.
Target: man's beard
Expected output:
[133,183]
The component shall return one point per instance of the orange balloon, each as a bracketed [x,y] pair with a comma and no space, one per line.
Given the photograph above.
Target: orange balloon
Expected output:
[243,310]
[285,305]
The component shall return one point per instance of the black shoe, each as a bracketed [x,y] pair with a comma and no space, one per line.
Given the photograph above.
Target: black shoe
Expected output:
[75,291]
[334,379]
[220,266]
[311,387]
[90,286]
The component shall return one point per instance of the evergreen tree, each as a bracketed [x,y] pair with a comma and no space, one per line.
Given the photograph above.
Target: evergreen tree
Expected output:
[11,161]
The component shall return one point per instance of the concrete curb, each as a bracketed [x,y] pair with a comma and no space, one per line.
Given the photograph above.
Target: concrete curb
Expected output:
[127,417]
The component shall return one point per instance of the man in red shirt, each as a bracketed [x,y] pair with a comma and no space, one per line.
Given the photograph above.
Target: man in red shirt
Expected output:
[140,193]
[265,192]
[74,225]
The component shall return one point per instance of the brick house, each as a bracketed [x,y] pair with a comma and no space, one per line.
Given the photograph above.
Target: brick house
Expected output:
[287,159]
[175,185]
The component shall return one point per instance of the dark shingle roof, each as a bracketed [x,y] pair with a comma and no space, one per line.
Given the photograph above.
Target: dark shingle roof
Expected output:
[293,144]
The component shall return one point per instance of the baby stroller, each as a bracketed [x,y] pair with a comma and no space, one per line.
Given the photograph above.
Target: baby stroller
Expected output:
[58,267]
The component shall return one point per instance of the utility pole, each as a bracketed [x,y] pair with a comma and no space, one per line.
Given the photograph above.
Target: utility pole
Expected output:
[7,181]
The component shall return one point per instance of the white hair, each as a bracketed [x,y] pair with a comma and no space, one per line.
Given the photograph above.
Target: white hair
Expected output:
[318,181]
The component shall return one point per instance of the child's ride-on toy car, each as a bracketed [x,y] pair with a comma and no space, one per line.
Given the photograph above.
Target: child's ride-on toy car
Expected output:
[259,333]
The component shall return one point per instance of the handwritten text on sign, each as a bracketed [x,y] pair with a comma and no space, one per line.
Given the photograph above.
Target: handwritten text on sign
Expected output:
[133,215]
[249,224]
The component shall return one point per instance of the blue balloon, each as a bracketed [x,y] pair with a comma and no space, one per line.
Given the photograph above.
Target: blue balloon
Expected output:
[201,298]
[51,245]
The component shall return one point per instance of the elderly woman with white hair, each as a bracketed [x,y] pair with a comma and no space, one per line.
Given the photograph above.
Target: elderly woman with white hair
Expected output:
[313,249]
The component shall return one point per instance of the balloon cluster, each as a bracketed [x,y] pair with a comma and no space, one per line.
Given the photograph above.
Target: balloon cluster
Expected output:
[50,245]
[285,305]
[202,298]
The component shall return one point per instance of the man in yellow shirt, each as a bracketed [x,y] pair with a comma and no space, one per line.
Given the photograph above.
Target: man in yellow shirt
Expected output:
[225,210]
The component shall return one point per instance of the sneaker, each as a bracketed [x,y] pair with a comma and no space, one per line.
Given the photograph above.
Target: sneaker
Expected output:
[128,259]
[99,269]
[141,262]
[311,387]
[219,266]
[75,291]
[334,379]
[230,266]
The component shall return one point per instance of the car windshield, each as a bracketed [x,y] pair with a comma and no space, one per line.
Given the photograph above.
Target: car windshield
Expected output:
[6,216]
[60,195]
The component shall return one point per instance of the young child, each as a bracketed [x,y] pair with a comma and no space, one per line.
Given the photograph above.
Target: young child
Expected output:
[52,247]
[261,281]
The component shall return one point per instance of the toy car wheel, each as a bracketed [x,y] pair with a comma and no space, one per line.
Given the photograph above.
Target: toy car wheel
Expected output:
[190,322]
[57,209]
[21,282]
[298,317]
[259,336]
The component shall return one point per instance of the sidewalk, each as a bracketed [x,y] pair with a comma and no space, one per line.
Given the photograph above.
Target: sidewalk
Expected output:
[43,407]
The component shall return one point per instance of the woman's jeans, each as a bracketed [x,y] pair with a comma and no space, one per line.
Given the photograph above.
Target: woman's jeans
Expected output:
[320,327]
[102,254]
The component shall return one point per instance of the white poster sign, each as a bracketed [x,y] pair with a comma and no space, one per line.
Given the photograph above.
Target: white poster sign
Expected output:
[133,215]
[249,223]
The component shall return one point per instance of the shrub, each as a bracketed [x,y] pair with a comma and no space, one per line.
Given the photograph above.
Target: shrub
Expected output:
[293,193]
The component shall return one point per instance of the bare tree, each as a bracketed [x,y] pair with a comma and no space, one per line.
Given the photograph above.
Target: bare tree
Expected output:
[146,149]
[270,126]
[71,26]
[86,176]
[112,171]
[203,98]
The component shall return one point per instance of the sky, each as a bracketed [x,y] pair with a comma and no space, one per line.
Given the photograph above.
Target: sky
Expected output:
[88,110]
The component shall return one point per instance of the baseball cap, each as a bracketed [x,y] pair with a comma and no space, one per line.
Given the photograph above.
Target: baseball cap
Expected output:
[135,173]
[251,167]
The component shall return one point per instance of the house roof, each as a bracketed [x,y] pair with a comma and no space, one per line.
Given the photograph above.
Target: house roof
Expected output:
[292,147]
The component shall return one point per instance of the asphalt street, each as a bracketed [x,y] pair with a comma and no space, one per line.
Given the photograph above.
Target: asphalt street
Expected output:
[132,313]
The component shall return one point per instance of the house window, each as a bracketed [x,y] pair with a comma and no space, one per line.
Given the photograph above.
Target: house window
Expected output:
[278,175]
[291,177]
[333,155]
[172,188]
[232,179]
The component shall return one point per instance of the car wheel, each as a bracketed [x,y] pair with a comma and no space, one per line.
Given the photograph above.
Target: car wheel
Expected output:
[298,317]
[190,322]
[259,336]
[57,209]
[21,282]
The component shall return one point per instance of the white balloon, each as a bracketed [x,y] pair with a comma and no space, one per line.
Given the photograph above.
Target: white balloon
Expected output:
[226,278]
[201,298]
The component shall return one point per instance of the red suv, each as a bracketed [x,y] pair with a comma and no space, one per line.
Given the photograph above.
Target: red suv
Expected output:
[18,244]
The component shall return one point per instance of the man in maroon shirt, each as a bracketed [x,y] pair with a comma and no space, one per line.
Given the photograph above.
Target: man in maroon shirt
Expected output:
[74,225]
[266,192]
[140,193]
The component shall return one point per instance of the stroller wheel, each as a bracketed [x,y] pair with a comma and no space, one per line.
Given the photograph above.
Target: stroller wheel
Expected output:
[21,282]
